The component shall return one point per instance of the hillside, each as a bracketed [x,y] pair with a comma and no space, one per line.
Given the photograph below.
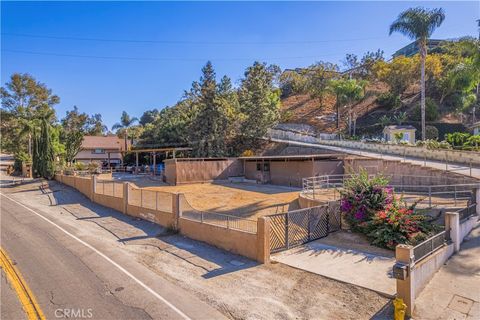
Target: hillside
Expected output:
[302,109]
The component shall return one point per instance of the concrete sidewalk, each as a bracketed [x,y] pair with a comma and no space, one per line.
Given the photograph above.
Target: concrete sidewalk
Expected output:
[366,270]
[454,291]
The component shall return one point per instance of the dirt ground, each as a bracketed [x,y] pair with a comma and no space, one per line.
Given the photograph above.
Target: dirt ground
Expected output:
[238,287]
[244,199]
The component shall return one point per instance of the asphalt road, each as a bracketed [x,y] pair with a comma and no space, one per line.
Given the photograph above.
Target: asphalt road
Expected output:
[73,278]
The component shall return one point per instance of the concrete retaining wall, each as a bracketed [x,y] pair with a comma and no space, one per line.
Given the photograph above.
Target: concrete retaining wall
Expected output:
[109,201]
[463,157]
[164,219]
[425,269]
[238,242]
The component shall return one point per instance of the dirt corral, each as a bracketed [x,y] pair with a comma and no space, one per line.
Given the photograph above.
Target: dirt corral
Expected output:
[243,199]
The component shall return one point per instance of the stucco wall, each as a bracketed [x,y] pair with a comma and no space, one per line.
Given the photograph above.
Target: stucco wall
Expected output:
[201,170]
[109,201]
[238,242]
[164,219]
[291,172]
[84,185]
[425,269]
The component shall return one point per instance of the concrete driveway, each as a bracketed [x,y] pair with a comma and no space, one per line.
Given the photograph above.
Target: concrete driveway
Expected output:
[370,268]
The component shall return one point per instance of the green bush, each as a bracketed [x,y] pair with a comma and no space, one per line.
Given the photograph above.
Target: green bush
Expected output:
[80,166]
[457,139]
[389,100]
[434,144]
[20,158]
[431,111]
[372,208]
[431,132]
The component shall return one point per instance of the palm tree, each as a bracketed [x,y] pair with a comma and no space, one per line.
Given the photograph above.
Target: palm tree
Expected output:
[418,24]
[125,122]
[347,93]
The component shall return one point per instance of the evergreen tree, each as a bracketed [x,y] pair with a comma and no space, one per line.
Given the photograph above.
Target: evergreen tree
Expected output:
[259,102]
[207,132]
[43,153]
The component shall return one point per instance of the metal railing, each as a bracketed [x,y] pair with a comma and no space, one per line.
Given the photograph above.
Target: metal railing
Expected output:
[218,219]
[429,246]
[434,191]
[467,212]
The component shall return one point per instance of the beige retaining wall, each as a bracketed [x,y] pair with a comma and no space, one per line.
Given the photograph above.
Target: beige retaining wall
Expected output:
[464,157]
[255,246]
[109,201]
[165,219]
[421,272]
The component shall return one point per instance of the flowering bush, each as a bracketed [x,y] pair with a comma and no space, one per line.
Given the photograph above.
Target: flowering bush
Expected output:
[371,207]
[362,197]
[398,224]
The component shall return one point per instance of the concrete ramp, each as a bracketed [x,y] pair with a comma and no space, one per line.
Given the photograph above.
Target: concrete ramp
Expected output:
[366,270]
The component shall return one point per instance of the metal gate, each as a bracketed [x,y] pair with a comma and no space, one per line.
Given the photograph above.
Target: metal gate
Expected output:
[297,227]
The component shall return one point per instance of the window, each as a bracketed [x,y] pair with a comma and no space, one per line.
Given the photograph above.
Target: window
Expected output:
[266,166]
[98,151]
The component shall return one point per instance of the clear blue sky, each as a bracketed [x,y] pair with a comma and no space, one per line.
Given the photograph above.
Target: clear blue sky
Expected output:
[183,36]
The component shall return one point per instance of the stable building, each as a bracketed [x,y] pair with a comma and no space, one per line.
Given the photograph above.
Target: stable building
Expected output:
[277,170]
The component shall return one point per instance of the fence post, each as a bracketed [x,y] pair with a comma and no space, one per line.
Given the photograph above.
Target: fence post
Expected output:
[406,288]
[125,196]
[452,224]
[93,188]
[429,196]
[477,200]
[287,245]
[263,240]
[141,197]
[176,209]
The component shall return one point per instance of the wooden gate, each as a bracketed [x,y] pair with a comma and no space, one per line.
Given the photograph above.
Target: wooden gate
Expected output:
[297,227]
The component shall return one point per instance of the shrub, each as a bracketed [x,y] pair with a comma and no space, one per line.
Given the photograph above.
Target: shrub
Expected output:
[433,144]
[371,207]
[80,166]
[431,132]
[431,111]
[389,100]
[457,139]
[19,159]
[397,224]
[362,197]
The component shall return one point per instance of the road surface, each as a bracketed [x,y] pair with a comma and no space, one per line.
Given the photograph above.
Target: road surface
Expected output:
[73,278]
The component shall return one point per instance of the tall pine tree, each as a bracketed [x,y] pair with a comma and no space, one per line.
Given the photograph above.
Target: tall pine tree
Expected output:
[207,132]
[259,102]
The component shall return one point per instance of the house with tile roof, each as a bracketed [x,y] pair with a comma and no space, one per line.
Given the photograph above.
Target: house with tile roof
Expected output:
[102,149]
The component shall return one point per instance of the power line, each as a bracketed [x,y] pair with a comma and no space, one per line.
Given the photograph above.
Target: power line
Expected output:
[160,59]
[187,41]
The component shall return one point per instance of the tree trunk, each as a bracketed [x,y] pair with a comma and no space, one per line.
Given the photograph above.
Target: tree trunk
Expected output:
[350,121]
[338,116]
[30,145]
[126,138]
[423,55]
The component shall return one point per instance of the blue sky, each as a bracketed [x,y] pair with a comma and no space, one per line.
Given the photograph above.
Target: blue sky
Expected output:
[166,43]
